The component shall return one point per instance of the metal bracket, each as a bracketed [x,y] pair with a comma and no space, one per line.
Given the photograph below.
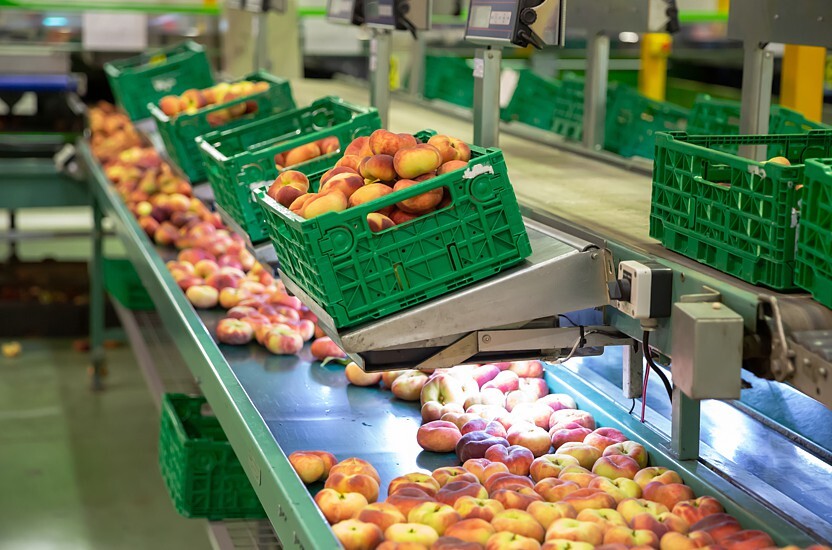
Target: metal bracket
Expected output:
[709,295]
[782,356]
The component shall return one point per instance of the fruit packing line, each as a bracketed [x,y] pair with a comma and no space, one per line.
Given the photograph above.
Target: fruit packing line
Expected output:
[187,307]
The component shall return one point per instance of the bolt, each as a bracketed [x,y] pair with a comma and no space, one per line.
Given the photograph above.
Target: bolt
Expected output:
[823,372]
[594,255]
[807,362]
[486,338]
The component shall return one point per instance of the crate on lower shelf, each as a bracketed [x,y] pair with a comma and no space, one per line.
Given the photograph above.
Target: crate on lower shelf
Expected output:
[123,283]
[180,132]
[814,248]
[728,212]
[357,275]
[633,121]
[146,78]
[203,475]
[237,158]
[710,117]
[450,79]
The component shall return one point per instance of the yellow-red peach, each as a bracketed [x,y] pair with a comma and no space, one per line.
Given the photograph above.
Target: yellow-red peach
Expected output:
[555,490]
[454,490]
[420,204]
[355,465]
[471,530]
[337,506]
[694,510]
[518,522]
[438,436]
[668,494]
[578,531]
[353,483]
[414,161]
[357,535]
[656,474]
[334,201]
[482,508]
[334,172]
[345,183]
[359,147]
[605,517]
[302,153]
[377,168]
[417,533]
[371,192]
[547,512]
[619,488]
[436,515]
[407,498]
[679,541]
[516,498]
[589,498]
[350,161]
[615,466]
[382,514]
[451,148]
[379,222]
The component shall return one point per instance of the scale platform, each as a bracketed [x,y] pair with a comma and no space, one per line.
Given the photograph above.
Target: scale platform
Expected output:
[512,315]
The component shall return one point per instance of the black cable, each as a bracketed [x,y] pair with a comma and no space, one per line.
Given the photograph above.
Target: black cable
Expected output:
[632,406]
[652,364]
[568,319]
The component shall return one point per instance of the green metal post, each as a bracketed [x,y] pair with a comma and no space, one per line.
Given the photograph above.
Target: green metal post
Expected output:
[684,432]
[97,301]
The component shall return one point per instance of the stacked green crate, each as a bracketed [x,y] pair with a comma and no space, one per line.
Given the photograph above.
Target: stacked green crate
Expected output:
[450,79]
[814,250]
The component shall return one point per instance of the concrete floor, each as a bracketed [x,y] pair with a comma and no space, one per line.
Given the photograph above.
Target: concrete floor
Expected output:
[78,470]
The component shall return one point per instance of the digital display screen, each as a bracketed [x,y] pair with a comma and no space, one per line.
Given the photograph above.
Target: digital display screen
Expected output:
[480,16]
[379,13]
[340,10]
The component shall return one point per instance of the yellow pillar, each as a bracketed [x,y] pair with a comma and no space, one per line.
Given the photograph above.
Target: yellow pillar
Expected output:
[722,6]
[802,78]
[652,77]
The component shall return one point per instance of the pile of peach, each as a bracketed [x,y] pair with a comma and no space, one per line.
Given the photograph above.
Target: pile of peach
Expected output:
[112,132]
[193,100]
[306,152]
[594,490]
[373,167]
[213,267]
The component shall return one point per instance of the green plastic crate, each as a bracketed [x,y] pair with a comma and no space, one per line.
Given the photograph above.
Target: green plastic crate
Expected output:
[633,121]
[711,116]
[203,475]
[568,108]
[814,247]
[450,79]
[123,284]
[235,159]
[728,212]
[180,132]
[356,275]
[532,101]
[146,78]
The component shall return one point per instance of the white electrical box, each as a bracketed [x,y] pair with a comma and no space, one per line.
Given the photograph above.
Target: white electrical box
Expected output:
[643,290]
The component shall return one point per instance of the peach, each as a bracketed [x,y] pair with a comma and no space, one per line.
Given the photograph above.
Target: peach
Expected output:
[562,544]
[475,445]
[203,296]
[579,531]
[488,396]
[674,522]
[537,388]
[438,436]
[328,145]
[408,386]
[527,369]
[288,186]
[191,100]
[420,204]
[516,397]
[371,192]
[535,413]
[451,166]
[631,507]
[516,498]
[337,506]
[349,161]
[505,540]
[605,517]
[411,532]
[694,510]
[231,297]
[420,480]
[384,142]
[631,537]
[483,508]
[392,545]
[170,105]
[282,340]
[506,480]
[377,168]
[356,466]
[550,465]
[379,222]
[458,419]
[483,468]
[471,530]
[414,161]
[346,183]
[567,435]
[660,524]
[357,535]
[407,498]
[334,201]
[589,498]
[434,514]
[547,512]
[585,454]
[719,526]
[382,514]
[485,373]
[555,490]
[448,474]
[302,153]
[322,348]
[634,450]
[353,483]
[578,474]
[311,466]
[657,474]
[519,522]
[165,234]
[615,466]
[334,172]
[619,488]
[389,376]
[399,217]
[407,140]
[748,539]
[604,437]
[234,332]
[488,412]
[434,410]
[306,330]
[669,494]
[679,541]
[565,416]
[298,206]
[453,543]
[360,147]
[454,490]
[518,459]
[531,437]
[451,148]
[357,377]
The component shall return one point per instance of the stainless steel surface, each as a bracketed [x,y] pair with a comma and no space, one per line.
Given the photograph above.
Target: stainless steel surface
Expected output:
[632,381]
[707,350]
[416,82]
[785,21]
[757,75]
[260,29]
[380,49]
[685,426]
[609,15]
[487,97]
[595,95]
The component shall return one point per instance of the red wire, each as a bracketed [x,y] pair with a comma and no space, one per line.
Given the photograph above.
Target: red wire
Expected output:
[644,390]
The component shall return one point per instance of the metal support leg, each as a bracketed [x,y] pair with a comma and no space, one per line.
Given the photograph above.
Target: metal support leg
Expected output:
[487,65]
[416,85]
[12,240]
[633,383]
[757,74]
[595,91]
[684,431]
[260,29]
[380,48]
[98,369]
